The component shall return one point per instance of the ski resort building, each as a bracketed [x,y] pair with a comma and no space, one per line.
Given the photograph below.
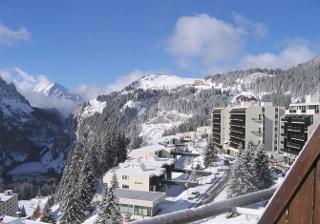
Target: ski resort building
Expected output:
[8,203]
[297,125]
[139,203]
[137,176]
[249,122]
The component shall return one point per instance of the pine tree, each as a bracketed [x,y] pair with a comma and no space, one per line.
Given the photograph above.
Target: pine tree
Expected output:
[211,153]
[87,182]
[37,212]
[242,180]
[46,213]
[109,209]
[22,211]
[261,171]
[72,212]
[114,182]
[70,174]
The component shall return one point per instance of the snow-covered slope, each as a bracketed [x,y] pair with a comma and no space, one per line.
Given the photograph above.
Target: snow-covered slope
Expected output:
[162,82]
[29,135]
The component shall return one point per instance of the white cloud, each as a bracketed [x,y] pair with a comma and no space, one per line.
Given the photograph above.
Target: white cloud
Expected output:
[125,80]
[252,28]
[205,38]
[30,85]
[91,91]
[9,36]
[88,91]
[288,57]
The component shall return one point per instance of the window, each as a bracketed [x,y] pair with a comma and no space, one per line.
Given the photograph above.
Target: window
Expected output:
[124,177]
[125,186]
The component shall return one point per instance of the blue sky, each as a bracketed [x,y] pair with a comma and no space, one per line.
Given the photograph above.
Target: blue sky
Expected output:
[98,42]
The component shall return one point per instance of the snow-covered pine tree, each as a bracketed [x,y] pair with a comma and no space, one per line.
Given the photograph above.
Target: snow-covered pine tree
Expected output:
[211,153]
[73,210]
[261,170]
[71,173]
[109,209]
[37,212]
[135,139]
[242,180]
[114,181]
[22,211]
[87,180]
[47,213]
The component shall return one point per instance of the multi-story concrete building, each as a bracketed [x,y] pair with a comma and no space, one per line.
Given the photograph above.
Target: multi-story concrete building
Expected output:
[137,176]
[236,126]
[299,122]
[8,203]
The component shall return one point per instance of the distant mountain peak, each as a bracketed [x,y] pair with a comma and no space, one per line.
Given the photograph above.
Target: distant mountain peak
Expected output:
[56,90]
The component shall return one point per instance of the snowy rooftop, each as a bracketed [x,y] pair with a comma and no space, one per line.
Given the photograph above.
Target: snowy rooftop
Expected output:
[149,148]
[153,161]
[5,197]
[137,169]
[139,195]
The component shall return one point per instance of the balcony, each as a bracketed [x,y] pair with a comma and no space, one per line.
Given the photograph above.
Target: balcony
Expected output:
[297,199]
[294,145]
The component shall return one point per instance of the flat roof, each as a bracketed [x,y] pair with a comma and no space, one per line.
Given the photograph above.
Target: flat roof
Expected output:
[137,169]
[153,161]
[139,195]
[149,148]
[4,197]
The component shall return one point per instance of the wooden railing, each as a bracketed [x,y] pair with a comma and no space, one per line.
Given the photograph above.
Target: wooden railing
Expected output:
[297,201]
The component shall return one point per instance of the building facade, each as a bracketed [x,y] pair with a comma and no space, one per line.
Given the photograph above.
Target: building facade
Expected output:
[297,125]
[236,126]
[8,203]
[137,177]
[139,202]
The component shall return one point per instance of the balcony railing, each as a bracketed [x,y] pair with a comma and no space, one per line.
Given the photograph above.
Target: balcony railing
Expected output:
[298,198]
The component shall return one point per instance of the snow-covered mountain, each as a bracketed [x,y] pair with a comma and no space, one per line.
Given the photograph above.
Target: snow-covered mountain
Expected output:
[31,139]
[150,106]
[163,82]
[56,90]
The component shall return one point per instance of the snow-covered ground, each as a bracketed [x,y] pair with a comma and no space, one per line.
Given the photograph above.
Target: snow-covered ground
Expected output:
[31,205]
[93,107]
[164,120]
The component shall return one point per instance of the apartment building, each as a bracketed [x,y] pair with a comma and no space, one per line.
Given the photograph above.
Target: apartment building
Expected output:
[8,203]
[297,125]
[236,126]
[137,176]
